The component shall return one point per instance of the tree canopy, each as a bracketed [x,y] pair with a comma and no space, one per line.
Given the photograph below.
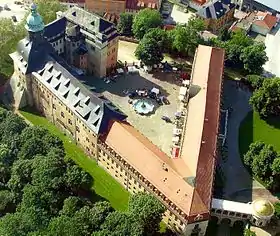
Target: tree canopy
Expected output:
[266,99]
[185,38]
[254,57]
[43,192]
[145,20]
[149,51]
[264,163]
[125,23]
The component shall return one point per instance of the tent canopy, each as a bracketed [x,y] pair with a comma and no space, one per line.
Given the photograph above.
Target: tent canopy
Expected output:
[120,70]
[183,91]
[155,90]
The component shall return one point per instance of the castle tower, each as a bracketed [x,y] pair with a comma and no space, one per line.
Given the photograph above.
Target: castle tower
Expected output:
[35,25]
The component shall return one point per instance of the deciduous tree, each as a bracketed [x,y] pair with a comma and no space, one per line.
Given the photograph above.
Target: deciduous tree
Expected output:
[147,210]
[145,20]
[149,51]
[266,99]
[125,23]
[254,57]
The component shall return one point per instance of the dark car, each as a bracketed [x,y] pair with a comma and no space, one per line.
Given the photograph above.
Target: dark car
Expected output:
[132,94]
[159,101]
[152,95]
[166,119]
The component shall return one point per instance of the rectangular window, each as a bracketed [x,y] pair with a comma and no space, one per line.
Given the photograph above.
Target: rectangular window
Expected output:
[54,107]
[69,122]
[62,114]
[78,129]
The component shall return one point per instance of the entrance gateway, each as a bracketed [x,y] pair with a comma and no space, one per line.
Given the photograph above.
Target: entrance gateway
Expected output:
[258,212]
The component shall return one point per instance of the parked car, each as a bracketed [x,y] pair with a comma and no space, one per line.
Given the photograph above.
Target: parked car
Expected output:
[166,119]
[132,94]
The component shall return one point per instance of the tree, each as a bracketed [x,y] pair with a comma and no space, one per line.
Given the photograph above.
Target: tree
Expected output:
[261,165]
[6,201]
[147,210]
[266,99]
[125,23]
[93,218]
[160,36]
[254,57]
[254,150]
[48,9]
[260,158]
[11,126]
[185,38]
[277,210]
[70,206]
[76,178]
[234,47]
[20,175]
[119,223]
[149,52]
[10,35]
[224,34]
[145,20]
[248,232]
[48,172]
[255,81]
[64,225]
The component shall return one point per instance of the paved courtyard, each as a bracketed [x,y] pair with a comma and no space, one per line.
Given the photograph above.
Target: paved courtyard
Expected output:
[152,126]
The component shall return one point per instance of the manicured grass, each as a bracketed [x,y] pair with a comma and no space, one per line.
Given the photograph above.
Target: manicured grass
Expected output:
[104,185]
[253,128]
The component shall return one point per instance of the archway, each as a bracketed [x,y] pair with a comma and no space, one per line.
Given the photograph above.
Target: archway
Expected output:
[214,219]
[226,221]
[239,224]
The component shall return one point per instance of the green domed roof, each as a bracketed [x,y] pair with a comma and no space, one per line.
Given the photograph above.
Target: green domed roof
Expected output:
[34,22]
[263,208]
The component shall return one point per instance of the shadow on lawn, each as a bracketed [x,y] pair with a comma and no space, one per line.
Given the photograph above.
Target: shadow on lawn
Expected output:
[274,122]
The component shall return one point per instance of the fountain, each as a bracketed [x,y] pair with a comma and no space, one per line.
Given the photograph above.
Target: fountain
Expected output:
[143,106]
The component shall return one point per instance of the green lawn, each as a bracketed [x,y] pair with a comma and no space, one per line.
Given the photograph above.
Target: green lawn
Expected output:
[104,185]
[254,129]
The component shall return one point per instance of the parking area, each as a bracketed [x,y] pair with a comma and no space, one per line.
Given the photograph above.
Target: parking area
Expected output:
[9,9]
[152,126]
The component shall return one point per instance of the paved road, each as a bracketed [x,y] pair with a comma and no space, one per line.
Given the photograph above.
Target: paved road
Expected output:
[273,52]
[237,177]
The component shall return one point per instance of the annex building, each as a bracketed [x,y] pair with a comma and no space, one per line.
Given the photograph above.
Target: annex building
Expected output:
[44,77]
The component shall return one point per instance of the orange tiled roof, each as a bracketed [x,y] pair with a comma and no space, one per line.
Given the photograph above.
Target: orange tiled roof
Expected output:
[264,19]
[200,2]
[138,4]
[148,159]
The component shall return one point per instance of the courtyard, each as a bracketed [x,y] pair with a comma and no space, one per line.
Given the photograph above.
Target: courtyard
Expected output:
[152,126]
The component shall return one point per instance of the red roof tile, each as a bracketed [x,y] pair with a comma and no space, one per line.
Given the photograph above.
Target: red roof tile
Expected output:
[264,19]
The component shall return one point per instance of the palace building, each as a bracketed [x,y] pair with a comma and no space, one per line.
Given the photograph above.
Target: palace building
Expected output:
[46,77]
